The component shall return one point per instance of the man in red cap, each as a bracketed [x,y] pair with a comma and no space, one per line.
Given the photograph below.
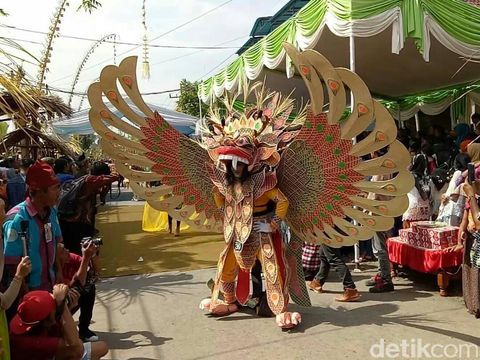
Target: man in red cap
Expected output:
[36,333]
[32,229]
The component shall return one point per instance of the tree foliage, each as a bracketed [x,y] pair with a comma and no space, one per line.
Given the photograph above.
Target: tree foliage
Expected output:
[89,5]
[3,129]
[188,101]
[86,141]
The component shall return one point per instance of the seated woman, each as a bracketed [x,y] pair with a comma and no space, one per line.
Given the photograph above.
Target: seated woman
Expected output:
[453,201]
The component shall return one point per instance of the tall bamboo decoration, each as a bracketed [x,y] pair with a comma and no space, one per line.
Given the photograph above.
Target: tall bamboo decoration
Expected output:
[105,39]
[52,34]
[146,64]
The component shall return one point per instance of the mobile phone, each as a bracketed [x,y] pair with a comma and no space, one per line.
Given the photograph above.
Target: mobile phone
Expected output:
[471,173]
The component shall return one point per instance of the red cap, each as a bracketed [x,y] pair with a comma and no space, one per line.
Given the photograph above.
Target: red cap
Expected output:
[35,307]
[41,175]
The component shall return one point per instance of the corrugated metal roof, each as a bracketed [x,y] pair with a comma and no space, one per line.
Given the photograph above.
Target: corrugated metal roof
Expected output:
[265,25]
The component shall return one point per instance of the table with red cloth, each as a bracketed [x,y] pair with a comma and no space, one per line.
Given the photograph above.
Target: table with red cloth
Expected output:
[442,262]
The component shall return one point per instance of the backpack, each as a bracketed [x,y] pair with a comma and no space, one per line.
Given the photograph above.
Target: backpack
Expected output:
[70,192]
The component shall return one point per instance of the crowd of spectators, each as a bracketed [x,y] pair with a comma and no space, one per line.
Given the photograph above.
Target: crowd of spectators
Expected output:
[50,258]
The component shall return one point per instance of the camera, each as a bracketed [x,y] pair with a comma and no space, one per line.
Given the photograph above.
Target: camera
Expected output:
[95,241]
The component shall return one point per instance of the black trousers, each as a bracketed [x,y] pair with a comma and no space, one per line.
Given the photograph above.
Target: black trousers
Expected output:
[331,257]
[85,304]
[170,221]
[257,291]
[73,233]
[257,286]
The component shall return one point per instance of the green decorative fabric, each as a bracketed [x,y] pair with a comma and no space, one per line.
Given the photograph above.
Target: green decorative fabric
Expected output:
[431,103]
[457,17]
[459,20]
[434,102]
[413,21]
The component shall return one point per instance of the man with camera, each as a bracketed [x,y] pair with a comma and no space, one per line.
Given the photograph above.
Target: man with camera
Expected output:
[43,328]
[77,209]
[31,229]
[79,273]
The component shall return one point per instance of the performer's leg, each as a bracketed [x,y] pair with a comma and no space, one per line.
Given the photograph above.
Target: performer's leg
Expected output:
[273,269]
[227,271]
[276,273]
[227,277]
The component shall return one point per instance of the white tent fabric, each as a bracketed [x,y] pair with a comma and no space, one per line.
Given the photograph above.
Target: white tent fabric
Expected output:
[431,27]
[79,123]
[429,109]
[387,54]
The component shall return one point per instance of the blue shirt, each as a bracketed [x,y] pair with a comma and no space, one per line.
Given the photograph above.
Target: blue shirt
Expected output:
[43,239]
[65,177]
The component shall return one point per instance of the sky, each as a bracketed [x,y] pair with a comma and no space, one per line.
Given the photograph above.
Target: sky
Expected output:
[228,25]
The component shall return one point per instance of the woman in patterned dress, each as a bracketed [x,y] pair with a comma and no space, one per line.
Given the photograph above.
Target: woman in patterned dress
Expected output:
[469,239]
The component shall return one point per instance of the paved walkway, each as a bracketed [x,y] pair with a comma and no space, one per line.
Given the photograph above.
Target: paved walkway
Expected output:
[157,317]
[128,250]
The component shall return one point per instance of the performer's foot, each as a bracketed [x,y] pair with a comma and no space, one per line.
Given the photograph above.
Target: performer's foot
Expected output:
[288,320]
[221,308]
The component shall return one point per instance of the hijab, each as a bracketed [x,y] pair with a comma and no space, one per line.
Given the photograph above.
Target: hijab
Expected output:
[473,150]
[463,132]
[419,165]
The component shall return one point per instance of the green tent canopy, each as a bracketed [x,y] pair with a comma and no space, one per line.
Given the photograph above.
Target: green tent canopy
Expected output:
[407,51]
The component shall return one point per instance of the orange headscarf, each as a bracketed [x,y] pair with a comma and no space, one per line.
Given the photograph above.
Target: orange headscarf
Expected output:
[464,145]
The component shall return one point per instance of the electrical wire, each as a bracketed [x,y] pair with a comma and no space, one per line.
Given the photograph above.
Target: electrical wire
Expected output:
[76,93]
[191,20]
[22,40]
[155,38]
[178,57]
[216,67]
[114,42]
